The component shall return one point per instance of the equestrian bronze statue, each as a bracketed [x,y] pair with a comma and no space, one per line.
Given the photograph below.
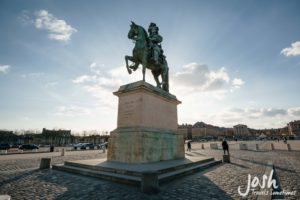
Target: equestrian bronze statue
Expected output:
[148,52]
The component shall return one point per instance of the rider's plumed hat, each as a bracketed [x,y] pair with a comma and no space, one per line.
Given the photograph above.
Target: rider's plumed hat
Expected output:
[153,25]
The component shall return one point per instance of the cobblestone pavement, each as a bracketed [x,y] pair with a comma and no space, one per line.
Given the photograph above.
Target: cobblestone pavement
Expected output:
[21,178]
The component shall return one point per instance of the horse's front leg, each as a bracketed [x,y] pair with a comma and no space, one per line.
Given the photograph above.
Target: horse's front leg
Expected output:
[127,66]
[144,63]
[134,67]
[155,75]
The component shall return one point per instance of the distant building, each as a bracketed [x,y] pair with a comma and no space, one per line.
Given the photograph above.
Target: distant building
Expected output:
[228,132]
[55,137]
[283,131]
[275,133]
[185,130]
[202,130]
[8,137]
[294,127]
[241,130]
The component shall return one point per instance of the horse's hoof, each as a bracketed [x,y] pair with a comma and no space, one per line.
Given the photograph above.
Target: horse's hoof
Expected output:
[129,71]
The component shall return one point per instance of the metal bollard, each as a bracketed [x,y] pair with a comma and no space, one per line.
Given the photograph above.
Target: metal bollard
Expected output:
[289,147]
[62,152]
[272,146]
[45,163]
[256,147]
[202,146]
[226,158]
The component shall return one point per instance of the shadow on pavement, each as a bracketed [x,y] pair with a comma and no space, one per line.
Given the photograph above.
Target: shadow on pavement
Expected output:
[265,164]
[194,186]
[238,165]
[18,177]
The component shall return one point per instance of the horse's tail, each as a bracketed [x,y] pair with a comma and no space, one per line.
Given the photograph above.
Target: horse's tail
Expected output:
[167,79]
[166,84]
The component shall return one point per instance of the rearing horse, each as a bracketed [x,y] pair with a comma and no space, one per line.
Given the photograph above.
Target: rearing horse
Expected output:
[141,55]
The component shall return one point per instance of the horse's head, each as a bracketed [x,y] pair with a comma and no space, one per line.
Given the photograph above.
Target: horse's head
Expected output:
[134,30]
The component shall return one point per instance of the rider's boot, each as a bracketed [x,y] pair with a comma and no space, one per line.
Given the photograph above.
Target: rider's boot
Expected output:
[155,57]
[134,67]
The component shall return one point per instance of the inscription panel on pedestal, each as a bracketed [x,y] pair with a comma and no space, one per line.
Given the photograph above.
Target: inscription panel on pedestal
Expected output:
[128,114]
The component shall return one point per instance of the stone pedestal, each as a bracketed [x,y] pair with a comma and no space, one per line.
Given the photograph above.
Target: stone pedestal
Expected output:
[45,163]
[149,184]
[147,126]
[226,158]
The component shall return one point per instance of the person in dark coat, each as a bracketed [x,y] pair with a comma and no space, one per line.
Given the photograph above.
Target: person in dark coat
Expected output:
[225,146]
[189,146]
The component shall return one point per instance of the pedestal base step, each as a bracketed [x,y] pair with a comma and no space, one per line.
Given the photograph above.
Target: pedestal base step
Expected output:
[132,173]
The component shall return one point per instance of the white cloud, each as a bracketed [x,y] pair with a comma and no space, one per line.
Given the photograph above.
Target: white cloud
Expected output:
[258,112]
[95,68]
[51,84]
[58,29]
[108,79]
[254,117]
[198,77]
[237,83]
[72,111]
[192,77]
[100,82]
[294,111]
[26,18]
[85,79]
[4,68]
[33,75]
[270,112]
[93,64]
[294,50]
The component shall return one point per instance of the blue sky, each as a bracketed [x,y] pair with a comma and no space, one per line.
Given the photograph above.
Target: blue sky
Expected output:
[230,61]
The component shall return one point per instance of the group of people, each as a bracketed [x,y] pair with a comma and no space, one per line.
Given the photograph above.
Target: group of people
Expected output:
[224,145]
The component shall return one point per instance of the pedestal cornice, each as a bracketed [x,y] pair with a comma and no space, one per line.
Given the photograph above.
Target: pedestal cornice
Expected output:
[146,87]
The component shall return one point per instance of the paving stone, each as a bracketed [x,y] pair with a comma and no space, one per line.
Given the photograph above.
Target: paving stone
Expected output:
[20,178]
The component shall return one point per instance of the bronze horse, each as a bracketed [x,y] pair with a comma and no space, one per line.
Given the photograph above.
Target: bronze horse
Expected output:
[141,55]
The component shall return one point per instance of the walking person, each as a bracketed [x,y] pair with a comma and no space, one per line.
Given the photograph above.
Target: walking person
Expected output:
[225,146]
[189,146]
